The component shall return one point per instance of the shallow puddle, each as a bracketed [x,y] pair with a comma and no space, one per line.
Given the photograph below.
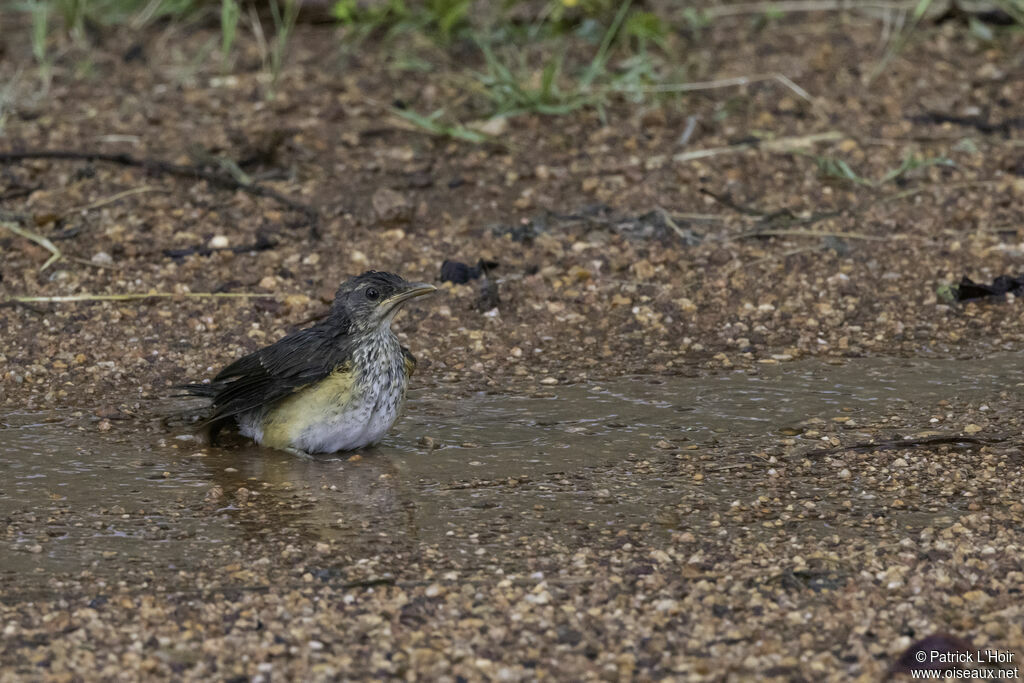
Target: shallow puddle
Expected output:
[470,473]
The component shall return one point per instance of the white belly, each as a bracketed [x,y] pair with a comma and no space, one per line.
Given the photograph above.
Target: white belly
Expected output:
[363,422]
[342,412]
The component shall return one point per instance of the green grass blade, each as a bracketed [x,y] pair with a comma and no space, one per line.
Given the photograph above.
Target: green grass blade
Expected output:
[597,65]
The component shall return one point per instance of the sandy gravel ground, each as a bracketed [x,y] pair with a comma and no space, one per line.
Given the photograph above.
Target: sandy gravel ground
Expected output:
[614,260]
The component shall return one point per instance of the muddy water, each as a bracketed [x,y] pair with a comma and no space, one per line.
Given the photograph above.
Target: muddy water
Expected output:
[572,461]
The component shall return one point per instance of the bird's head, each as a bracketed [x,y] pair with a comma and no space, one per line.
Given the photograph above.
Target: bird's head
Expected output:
[371,300]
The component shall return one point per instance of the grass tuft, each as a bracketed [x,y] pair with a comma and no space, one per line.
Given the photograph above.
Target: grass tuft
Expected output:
[833,167]
[230,13]
[433,124]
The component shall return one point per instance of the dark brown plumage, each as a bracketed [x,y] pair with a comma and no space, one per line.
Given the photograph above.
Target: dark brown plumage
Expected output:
[277,394]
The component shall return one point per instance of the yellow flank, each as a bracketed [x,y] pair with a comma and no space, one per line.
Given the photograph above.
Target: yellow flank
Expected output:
[311,405]
[410,365]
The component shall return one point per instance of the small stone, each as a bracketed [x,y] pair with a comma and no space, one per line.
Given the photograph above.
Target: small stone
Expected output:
[391,206]
[972,428]
[686,305]
[218,242]
[540,598]
[494,127]
[643,269]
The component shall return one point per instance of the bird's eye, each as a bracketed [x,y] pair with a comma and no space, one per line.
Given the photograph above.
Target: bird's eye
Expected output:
[372,294]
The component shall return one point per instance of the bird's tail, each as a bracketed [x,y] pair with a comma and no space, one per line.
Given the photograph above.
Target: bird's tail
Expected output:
[186,408]
[208,429]
[204,390]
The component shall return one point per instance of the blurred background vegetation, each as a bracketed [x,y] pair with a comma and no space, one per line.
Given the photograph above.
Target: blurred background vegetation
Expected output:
[511,56]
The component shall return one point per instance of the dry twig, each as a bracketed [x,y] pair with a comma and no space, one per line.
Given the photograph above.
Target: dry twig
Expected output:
[222,180]
[41,240]
[139,296]
[779,146]
[111,199]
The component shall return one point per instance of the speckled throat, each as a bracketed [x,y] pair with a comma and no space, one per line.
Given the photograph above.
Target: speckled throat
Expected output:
[351,408]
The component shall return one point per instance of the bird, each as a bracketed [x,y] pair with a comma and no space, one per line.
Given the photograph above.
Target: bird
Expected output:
[336,386]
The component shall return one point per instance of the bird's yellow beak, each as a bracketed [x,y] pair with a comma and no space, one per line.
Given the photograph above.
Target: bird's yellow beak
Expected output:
[414,290]
[389,306]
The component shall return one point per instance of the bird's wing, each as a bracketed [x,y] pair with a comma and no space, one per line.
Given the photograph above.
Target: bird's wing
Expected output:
[276,371]
[409,362]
